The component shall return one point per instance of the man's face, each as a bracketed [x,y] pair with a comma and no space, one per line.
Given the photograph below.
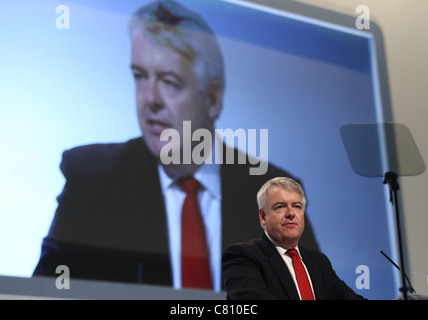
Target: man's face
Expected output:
[283,217]
[166,92]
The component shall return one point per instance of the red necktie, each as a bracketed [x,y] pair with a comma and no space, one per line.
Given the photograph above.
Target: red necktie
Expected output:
[301,276]
[195,267]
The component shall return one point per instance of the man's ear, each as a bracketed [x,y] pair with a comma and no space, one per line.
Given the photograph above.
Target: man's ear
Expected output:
[262,217]
[215,100]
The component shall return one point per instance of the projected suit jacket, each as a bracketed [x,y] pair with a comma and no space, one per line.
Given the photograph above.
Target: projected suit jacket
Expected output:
[110,223]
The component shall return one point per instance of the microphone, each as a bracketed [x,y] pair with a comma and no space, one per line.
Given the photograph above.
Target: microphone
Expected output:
[395,265]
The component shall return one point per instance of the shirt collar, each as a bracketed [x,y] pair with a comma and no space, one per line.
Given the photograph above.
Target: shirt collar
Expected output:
[208,176]
[281,249]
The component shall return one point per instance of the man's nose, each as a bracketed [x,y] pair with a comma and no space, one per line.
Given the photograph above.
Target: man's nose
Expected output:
[152,96]
[289,213]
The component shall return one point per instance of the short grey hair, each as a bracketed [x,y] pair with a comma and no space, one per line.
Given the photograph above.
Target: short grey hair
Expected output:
[280,182]
[169,23]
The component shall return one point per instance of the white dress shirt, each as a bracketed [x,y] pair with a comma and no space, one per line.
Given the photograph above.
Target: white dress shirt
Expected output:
[209,199]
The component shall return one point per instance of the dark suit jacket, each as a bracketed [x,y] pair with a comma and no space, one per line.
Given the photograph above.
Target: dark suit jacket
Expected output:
[254,270]
[110,223]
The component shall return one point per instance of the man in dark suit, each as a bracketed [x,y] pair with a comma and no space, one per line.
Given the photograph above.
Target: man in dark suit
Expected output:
[265,268]
[118,214]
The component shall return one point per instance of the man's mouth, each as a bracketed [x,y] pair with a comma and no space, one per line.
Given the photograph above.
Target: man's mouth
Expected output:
[156,126]
[290,225]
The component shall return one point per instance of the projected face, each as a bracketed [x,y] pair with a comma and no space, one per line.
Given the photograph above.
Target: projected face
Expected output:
[283,217]
[166,92]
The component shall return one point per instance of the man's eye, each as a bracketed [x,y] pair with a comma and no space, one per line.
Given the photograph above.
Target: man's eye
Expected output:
[171,83]
[137,76]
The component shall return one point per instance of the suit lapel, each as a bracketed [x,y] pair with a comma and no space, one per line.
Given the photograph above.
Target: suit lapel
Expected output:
[239,205]
[139,186]
[145,198]
[279,267]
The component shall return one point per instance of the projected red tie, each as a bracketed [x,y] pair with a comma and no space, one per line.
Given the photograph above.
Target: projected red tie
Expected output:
[195,267]
[301,276]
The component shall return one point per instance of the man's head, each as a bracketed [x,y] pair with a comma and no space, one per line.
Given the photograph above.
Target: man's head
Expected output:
[178,70]
[282,205]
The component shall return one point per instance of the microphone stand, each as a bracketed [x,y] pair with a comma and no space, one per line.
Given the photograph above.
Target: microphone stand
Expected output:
[412,290]
[391,180]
